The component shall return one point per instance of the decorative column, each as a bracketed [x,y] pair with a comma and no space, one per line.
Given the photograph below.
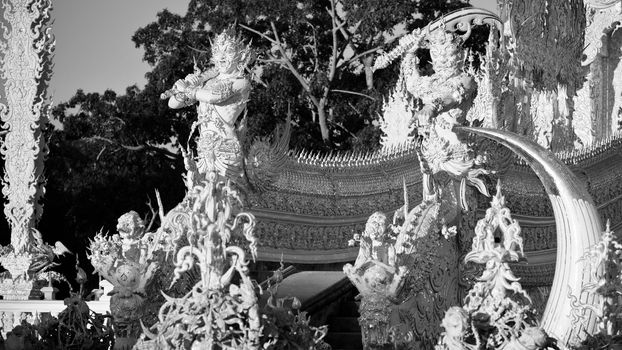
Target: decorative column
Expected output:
[25,71]
[599,100]
[546,44]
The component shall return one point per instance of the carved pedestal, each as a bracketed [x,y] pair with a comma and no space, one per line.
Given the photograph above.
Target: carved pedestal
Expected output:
[19,286]
[126,312]
[20,290]
[375,311]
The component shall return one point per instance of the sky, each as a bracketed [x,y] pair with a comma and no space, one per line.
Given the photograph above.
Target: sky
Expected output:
[94,48]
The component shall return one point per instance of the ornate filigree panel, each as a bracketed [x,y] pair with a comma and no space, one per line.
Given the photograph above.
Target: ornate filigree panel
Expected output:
[534,275]
[308,220]
[309,237]
[27,51]
[539,237]
[329,206]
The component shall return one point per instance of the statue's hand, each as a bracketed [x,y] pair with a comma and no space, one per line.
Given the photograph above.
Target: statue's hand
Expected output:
[181,85]
[193,79]
[348,269]
[402,271]
[426,114]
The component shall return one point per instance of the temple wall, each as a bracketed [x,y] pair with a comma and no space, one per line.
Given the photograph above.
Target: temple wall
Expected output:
[614,69]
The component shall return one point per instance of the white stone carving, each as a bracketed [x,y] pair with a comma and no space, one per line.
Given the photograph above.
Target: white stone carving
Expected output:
[26,57]
[395,122]
[218,311]
[601,16]
[497,312]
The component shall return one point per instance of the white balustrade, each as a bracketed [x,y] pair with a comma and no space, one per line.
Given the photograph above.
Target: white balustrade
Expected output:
[12,312]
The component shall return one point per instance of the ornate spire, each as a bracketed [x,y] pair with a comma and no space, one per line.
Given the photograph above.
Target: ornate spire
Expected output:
[24,63]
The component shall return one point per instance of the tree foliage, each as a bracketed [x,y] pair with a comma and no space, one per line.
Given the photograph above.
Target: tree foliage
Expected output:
[326,47]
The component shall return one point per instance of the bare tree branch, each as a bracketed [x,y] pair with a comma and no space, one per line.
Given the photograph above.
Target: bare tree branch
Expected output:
[347,35]
[144,147]
[362,54]
[354,108]
[353,93]
[259,33]
[100,153]
[342,23]
[316,64]
[288,63]
[333,60]
[344,129]
[153,215]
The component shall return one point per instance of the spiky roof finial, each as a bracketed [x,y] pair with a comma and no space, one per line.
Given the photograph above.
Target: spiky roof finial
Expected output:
[498,201]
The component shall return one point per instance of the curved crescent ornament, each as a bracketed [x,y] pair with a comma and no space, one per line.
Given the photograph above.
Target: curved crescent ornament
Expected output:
[578,227]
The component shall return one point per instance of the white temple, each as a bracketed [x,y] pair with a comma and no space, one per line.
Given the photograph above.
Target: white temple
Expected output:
[436,266]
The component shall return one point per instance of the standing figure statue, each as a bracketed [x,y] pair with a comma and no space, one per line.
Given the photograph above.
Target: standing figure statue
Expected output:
[222,94]
[422,281]
[448,87]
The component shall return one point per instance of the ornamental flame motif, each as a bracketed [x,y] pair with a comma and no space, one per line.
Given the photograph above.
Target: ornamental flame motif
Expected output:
[216,311]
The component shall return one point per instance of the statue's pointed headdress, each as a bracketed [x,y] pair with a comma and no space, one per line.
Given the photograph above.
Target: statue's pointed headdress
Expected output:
[232,46]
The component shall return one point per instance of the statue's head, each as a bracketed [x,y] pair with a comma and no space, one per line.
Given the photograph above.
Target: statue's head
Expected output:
[229,52]
[445,52]
[533,338]
[377,278]
[455,322]
[130,225]
[376,226]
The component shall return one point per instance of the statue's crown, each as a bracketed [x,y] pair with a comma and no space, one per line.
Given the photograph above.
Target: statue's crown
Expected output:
[445,49]
[231,44]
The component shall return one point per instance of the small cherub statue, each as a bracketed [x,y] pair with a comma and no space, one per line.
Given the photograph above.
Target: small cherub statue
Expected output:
[455,323]
[375,243]
[131,228]
[374,270]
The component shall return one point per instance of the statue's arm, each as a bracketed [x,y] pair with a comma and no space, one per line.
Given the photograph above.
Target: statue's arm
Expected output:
[364,254]
[222,91]
[410,64]
[184,88]
[465,90]
[180,95]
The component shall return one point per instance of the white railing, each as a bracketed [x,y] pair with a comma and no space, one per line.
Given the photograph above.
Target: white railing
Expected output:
[12,312]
